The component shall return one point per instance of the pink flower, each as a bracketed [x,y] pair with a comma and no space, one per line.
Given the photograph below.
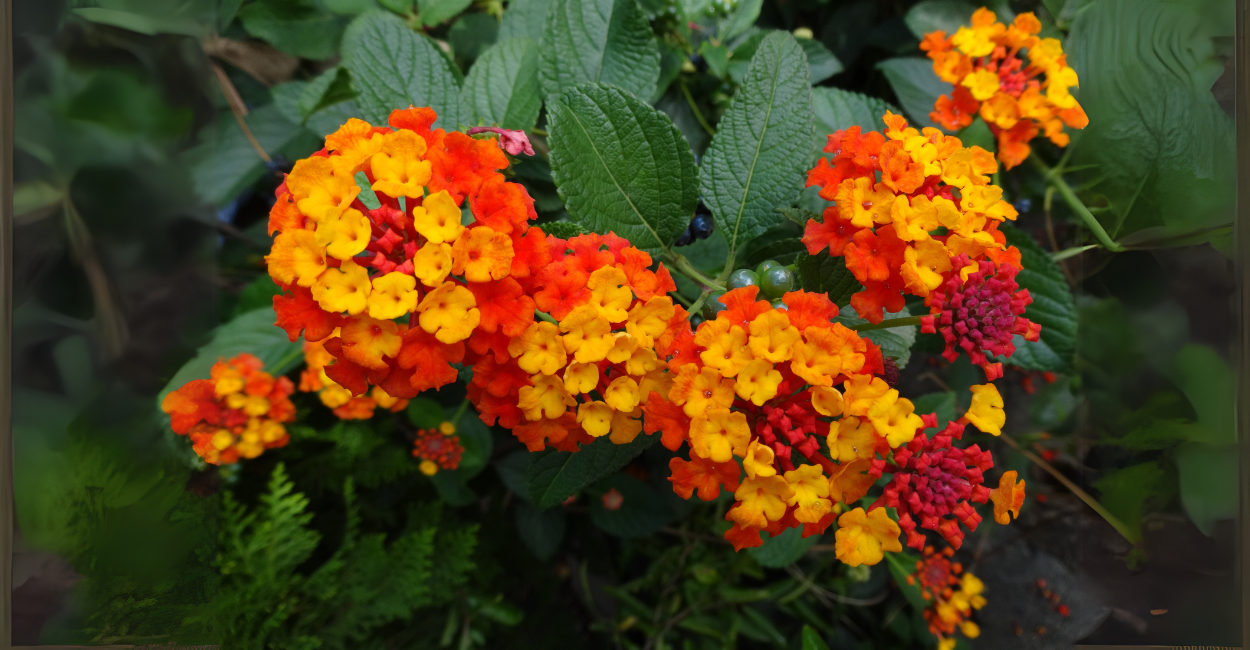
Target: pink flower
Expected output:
[514,142]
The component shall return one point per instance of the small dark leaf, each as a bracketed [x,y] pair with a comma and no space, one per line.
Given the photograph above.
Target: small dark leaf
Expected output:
[554,476]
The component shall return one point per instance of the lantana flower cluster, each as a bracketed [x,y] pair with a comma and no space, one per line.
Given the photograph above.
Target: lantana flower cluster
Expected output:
[952,593]
[237,413]
[1019,83]
[341,400]
[438,448]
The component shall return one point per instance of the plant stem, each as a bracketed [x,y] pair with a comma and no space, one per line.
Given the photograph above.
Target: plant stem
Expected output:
[684,266]
[885,324]
[542,315]
[694,108]
[694,309]
[1054,177]
[464,406]
[1090,501]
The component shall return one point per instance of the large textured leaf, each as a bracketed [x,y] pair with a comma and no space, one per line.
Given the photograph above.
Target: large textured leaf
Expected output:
[838,109]
[297,27]
[821,63]
[1053,308]
[434,12]
[763,145]
[599,40]
[916,86]
[254,333]
[784,549]
[1163,145]
[225,162]
[934,15]
[394,67]
[554,476]
[824,274]
[621,166]
[525,18]
[502,88]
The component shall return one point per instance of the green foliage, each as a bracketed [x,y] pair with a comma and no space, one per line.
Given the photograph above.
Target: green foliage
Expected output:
[641,512]
[327,89]
[1125,492]
[895,342]
[297,27]
[821,273]
[554,476]
[836,109]
[271,598]
[225,163]
[502,88]
[598,41]
[938,15]
[393,67]
[621,166]
[1053,308]
[784,549]
[916,86]
[434,12]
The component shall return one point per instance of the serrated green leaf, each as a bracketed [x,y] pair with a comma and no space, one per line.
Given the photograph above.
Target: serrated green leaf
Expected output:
[784,549]
[296,27]
[1162,144]
[1053,308]
[525,18]
[502,87]
[554,476]
[225,162]
[821,63]
[253,333]
[640,513]
[606,41]
[393,67]
[934,15]
[894,341]
[763,145]
[836,110]
[916,86]
[329,88]
[621,166]
[562,229]
[434,12]
[782,243]
[540,530]
[828,275]
[739,20]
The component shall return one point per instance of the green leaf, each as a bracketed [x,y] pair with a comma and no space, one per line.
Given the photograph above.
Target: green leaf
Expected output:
[541,530]
[978,134]
[477,441]
[297,27]
[942,404]
[821,63]
[782,243]
[1208,483]
[554,476]
[903,565]
[225,162]
[562,229]
[606,41]
[641,512]
[934,15]
[393,67]
[784,549]
[525,18]
[502,87]
[717,58]
[894,341]
[472,34]
[452,489]
[916,86]
[1210,385]
[812,639]
[190,18]
[763,144]
[434,12]
[350,7]
[254,333]
[425,413]
[401,7]
[621,166]
[822,273]
[257,295]
[739,20]
[1053,308]
[329,88]
[1124,492]
[511,470]
[838,110]
[1162,144]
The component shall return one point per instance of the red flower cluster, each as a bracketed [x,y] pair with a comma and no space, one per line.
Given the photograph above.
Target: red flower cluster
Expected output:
[438,448]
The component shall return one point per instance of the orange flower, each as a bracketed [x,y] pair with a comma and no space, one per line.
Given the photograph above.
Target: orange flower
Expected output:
[703,475]
[1008,498]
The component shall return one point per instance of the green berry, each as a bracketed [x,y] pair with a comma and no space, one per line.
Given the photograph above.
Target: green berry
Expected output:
[765,265]
[695,321]
[743,278]
[776,282]
[713,305]
[777,304]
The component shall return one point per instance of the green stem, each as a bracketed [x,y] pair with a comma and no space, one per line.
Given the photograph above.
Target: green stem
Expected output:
[1054,177]
[893,322]
[542,315]
[698,304]
[694,108]
[684,266]
[464,406]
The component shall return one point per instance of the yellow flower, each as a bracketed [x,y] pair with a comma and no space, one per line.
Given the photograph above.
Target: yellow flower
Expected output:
[428,467]
[923,265]
[432,263]
[595,418]
[540,350]
[343,289]
[322,186]
[773,337]
[622,394]
[986,412]
[649,319]
[449,313]
[894,418]
[758,460]
[626,426]
[698,390]
[978,40]
[354,142]
[851,439]
[581,377]
[587,334]
[393,295]
[810,491]
[719,434]
[968,167]
[482,255]
[982,83]
[344,234]
[761,500]
[545,399]
[825,354]
[827,401]
[398,168]
[296,258]
[923,151]
[864,203]
[642,361]
[757,382]
[860,393]
[658,381]
[863,538]
[726,346]
[438,218]
[623,347]
[334,395]
[609,292]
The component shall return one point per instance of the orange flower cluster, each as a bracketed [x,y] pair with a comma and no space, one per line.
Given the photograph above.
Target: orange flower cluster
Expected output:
[352,275]
[237,413]
[345,405]
[986,63]
[887,229]
[438,448]
[953,597]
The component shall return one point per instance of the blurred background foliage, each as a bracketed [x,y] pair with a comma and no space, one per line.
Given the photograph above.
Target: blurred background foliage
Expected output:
[140,209]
